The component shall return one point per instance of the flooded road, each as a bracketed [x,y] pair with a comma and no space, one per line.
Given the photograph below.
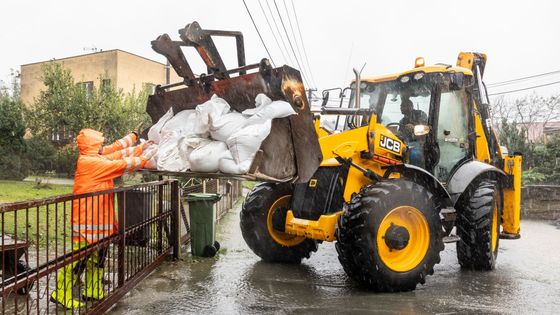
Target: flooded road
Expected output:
[526,280]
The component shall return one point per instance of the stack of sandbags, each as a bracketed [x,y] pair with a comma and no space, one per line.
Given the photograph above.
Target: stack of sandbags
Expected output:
[214,138]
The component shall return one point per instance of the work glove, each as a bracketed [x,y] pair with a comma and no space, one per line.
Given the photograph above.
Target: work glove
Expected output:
[149,152]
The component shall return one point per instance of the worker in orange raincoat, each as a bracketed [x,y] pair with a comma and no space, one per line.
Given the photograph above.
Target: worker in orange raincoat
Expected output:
[93,218]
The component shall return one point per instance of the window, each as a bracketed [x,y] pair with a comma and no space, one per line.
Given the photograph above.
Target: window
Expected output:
[88,87]
[150,87]
[452,132]
[420,98]
[105,84]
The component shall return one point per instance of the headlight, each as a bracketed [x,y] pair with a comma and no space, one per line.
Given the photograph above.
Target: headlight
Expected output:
[405,79]
[418,76]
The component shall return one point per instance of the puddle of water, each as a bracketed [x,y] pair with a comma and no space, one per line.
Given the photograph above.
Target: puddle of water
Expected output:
[526,280]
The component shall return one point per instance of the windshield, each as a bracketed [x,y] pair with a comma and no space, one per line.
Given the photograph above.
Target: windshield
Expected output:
[402,104]
[391,100]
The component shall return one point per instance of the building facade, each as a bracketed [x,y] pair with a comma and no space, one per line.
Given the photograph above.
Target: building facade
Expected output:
[124,70]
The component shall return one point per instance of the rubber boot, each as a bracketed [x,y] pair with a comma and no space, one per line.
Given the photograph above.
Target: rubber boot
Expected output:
[94,283]
[64,283]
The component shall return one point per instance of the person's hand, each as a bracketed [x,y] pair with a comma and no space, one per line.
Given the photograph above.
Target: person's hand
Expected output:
[148,154]
[146,144]
[409,127]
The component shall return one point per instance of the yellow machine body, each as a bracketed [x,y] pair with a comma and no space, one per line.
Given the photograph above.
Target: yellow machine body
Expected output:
[363,145]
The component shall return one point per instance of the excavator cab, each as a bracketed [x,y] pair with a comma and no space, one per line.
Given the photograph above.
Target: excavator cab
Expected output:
[429,112]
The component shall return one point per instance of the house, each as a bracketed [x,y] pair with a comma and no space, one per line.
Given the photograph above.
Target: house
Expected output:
[124,70]
[540,132]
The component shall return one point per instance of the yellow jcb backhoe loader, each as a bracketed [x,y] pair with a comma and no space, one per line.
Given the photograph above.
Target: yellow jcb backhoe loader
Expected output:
[415,156]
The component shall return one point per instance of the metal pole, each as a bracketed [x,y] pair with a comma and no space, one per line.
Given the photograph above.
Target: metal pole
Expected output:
[175,219]
[121,244]
[160,222]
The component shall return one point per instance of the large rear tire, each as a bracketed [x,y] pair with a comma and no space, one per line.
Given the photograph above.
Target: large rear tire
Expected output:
[262,217]
[390,236]
[478,225]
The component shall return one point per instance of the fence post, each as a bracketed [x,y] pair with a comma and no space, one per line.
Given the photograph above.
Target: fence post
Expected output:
[175,219]
[121,245]
[160,221]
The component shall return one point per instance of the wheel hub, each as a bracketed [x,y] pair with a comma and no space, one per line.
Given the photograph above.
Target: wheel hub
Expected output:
[396,237]
[279,219]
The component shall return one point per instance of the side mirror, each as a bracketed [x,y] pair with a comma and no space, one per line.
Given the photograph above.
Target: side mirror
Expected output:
[420,130]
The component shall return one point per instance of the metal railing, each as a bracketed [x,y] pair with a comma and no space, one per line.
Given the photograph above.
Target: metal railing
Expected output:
[230,190]
[36,242]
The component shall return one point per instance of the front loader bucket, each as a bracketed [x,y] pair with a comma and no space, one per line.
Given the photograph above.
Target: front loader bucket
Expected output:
[291,152]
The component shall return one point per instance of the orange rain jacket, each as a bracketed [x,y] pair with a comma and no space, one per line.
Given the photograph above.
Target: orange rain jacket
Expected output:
[93,218]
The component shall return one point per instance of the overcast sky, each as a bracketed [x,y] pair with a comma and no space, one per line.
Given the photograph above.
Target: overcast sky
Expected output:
[521,38]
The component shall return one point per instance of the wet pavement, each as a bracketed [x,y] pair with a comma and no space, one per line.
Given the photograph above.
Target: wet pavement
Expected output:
[526,281]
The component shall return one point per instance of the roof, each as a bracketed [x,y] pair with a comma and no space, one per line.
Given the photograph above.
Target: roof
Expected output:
[426,69]
[95,53]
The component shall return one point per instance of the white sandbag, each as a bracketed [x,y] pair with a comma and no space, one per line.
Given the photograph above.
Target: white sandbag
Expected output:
[224,126]
[212,109]
[276,109]
[206,158]
[260,100]
[168,153]
[229,166]
[188,144]
[151,164]
[150,150]
[154,132]
[245,143]
[184,123]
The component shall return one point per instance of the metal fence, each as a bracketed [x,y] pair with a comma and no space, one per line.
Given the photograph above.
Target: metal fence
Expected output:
[37,242]
[230,190]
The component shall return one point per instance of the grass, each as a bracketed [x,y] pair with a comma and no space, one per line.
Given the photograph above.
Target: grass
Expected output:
[11,191]
[31,224]
[248,184]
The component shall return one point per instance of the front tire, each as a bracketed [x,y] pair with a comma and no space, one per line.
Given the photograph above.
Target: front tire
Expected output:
[478,224]
[262,217]
[390,237]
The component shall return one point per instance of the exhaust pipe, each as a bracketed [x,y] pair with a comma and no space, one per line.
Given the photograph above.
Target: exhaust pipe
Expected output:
[358,83]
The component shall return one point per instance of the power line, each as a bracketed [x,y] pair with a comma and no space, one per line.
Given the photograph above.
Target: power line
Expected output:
[255,25]
[272,31]
[524,89]
[304,68]
[521,79]
[303,45]
[348,64]
[289,59]
[290,42]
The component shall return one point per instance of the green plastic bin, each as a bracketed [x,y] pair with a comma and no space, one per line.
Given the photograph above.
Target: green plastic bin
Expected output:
[202,215]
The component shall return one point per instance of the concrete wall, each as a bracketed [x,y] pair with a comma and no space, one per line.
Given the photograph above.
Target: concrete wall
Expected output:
[541,202]
[133,72]
[90,67]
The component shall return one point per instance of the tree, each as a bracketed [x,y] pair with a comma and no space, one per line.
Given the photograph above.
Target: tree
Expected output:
[13,165]
[64,108]
[68,107]
[513,137]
